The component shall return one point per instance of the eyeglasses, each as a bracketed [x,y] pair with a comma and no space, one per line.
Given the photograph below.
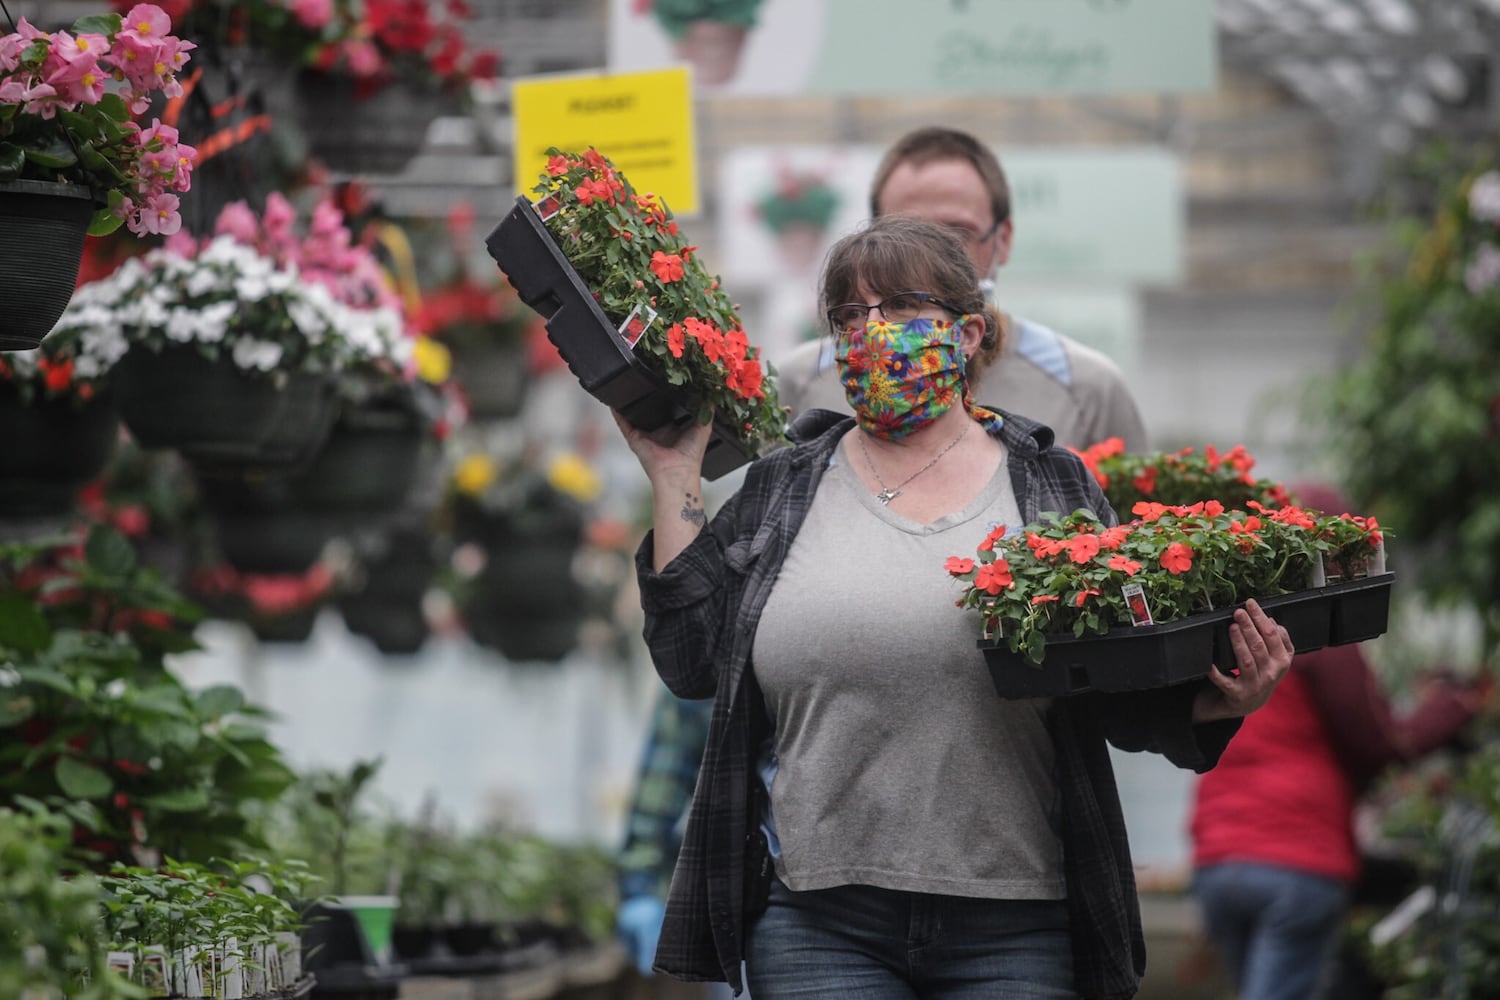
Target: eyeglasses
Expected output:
[971,235]
[899,308]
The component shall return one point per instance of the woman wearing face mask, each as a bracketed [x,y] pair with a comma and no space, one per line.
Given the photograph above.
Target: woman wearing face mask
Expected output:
[871,820]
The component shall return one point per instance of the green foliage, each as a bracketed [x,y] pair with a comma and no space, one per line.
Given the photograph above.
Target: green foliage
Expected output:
[505,878]
[1449,821]
[51,934]
[92,722]
[324,819]
[1415,421]
[1177,477]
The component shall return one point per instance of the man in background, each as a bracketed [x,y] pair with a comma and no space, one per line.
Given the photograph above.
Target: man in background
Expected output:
[949,177]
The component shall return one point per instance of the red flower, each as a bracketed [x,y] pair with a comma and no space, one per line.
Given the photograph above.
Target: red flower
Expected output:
[994,577]
[58,374]
[958,566]
[1112,538]
[666,266]
[1082,548]
[1043,599]
[1177,559]
[1084,595]
[675,340]
[996,533]
[745,378]
[557,165]
[1129,566]
[1146,481]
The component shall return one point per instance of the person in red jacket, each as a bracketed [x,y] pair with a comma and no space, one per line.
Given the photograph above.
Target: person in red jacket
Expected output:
[1274,851]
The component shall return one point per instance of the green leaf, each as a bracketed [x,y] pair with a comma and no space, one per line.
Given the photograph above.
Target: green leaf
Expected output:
[104,222]
[16,709]
[80,781]
[98,24]
[12,159]
[22,626]
[55,155]
[48,678]
[182,800]
[108,552]
[220,700]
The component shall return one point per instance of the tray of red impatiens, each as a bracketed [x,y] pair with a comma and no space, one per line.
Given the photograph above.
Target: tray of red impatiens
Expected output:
[1070,604]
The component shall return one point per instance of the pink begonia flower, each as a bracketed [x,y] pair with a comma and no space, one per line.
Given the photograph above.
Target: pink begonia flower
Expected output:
[78,82]
[85,46]
[11,47]
[146,20]
[166,133]
[363,58]
[181,243]
[182,173]
[40,100]
[136,59]
[313,14]
[160,216]
[238,221]
[278,218]
[327,220]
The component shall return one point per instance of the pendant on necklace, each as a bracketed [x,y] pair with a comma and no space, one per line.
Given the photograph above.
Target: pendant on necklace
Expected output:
[885,496]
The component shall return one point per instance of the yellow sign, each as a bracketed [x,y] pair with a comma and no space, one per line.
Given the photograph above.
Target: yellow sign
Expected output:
[642,121]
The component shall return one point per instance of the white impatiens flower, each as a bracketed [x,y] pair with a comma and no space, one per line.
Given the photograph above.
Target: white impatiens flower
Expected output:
[182,326]
[201,282]
[213,321]
[259,355]
[1483,270]
[1484,197]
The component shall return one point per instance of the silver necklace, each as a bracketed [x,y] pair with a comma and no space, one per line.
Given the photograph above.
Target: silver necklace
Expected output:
[889,493]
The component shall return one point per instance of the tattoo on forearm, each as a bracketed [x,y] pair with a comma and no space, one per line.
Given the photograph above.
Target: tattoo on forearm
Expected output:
[692,510]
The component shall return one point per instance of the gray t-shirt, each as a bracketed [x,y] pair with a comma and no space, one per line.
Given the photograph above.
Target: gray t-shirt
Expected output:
[896,764]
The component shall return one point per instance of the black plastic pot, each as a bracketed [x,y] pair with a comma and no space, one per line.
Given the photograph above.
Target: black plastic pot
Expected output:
[413,941]
[42,229]
[53,447]
[357,134]
[469,939]
[217,416]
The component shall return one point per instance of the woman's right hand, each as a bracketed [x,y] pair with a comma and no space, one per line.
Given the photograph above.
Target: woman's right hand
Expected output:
[671,451]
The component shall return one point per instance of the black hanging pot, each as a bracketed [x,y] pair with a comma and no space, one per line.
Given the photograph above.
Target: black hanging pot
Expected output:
[357,133]
[53,447]
[42,228]
[217,416]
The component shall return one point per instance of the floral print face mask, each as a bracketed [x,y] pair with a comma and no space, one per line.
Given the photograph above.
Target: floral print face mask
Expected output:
[900,377]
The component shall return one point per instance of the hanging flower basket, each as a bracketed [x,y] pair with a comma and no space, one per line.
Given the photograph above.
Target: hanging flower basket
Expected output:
[356,133]
[53,447]
[217,415]
[42,229]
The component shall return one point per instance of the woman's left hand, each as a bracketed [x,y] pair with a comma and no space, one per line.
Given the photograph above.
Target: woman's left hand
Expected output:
[1262,652]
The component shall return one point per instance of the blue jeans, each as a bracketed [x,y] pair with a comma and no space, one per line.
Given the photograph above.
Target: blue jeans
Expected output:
[879,944]
[1274,928]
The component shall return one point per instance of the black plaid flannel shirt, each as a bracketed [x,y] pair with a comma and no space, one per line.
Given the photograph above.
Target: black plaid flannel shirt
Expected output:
[701,615]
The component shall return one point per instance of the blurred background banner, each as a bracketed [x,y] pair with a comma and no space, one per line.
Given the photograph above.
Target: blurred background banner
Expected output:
[893,46]
[642,121]
[1081,213]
